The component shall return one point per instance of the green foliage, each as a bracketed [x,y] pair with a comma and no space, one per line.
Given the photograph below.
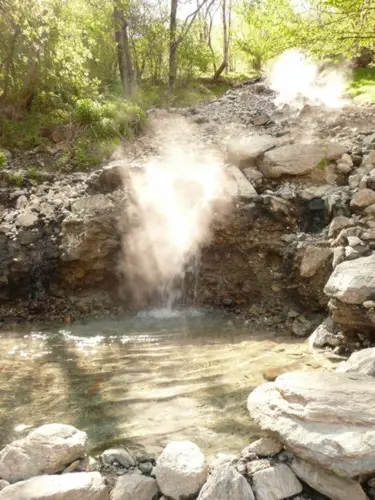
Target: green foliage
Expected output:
[3,160]
[362,87]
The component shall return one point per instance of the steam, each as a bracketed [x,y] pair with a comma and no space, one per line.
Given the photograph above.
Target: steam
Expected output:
[175,195]
[299,81]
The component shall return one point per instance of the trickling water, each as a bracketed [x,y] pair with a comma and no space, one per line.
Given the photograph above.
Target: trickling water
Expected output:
[144,380]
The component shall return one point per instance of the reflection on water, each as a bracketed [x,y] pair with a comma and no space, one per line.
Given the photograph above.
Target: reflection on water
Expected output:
[142,381]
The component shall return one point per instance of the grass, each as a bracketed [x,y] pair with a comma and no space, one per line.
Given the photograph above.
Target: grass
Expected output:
[362,87]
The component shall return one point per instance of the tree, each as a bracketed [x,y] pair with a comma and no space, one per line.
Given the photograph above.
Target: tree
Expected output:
[123,50]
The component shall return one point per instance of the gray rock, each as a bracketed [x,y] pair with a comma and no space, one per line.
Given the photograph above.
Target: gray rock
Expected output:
[120,455]
[343,168]
[313,259]
[297,159]
[354,241]
[26,219]
[88,464]
[353,282]
[21,202]
[226,483]
[351,253]
[74,486]
[145,468]
[302,326]
[338,256]
[347,159]
[276,483]
[363,199]
[338,223]
[46,450]
[323,335]
[360,362]
[307,411]
[238,185]
[265,447]
[260,120]
[252,174]
[245,150]
[181,470]
[135,487]
[327,483]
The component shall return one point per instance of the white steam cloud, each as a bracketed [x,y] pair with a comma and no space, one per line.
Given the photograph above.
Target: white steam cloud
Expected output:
[299,81]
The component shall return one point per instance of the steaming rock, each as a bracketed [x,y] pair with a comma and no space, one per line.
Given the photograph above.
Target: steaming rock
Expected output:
[353,282]
[181,470]
[327,483]
[74,486]
[46,450]
[360,362]
[244,151]
[307,411]
[134,487]
[240,187]
[108,178]
[297,159]
[226,483]
[120,455]
[276,483]
[313,259]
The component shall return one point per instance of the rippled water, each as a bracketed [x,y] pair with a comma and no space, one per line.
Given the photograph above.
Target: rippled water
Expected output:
[143,380]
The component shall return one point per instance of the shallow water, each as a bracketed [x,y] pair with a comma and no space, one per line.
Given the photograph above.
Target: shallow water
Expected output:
[143,380]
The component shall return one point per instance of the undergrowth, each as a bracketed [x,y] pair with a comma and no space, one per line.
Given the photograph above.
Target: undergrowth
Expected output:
[362,86]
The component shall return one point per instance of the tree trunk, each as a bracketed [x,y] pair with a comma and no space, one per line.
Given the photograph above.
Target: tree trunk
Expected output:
[220,69]
[172,45]
[8,63]
[123,52]
[225,37]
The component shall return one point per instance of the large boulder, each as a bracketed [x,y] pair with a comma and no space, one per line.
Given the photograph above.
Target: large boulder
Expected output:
[324,418]
[298,159]
[181,470]
[360,362]
[73,486]
[226,483]
[46,450]
[135,487]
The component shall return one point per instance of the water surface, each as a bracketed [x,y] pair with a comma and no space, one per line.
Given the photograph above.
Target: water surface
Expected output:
[142,381]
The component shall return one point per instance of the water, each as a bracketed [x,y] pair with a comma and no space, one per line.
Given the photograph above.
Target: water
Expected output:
[144,380]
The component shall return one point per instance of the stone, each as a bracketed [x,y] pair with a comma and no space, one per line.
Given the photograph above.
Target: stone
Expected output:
[354,241]
[313,259]
[351,253]
[109,178]
[260,120]
[181,470]
[347,159]
[328,483]
[338,223]
[297,159]
[343,168]
[338,256]
[323,335]
[310,413]
[363,198]
[26,219]
[120,455]
[360,362]
[252,174]
[46,450]
[226,483]
[3,484]
[353,282]
[246,150]
[135,487]
[73,486]
[238,185]
[265,447]
[72,467]
[21,202]
[88,464]
[354,180]
[369,304]
[276,483]
[302,326]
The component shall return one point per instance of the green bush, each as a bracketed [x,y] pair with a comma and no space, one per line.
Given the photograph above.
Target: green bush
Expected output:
[3,160]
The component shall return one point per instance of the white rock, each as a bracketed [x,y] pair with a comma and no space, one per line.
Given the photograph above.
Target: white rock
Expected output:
[328,483]
[347,159]
[276,483]
[323,335]
[313,259]
[338,256]
[343,168]
[226,483]
[120,455]
[238,185]
[246,149]
[311,414]
[354,180]
[363,198]
[369,304]
[181,470]
[26,219]
[354,241]
[21,202]
[353,282]
[134,487]
[46,450]
[338,223]
[265,447]
[73,486]
[360,362]
[351,253]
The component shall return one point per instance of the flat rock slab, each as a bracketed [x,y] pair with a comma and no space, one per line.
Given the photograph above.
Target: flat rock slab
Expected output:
[325,418]
[353,282]
[298,159]
[238,185]
[244,151]
[46,450]
[226,483]
[135,487]
[276,483]
[73,486]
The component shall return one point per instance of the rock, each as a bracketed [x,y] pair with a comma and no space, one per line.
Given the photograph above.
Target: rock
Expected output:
[46,450]
[72,467]
[181,470]
[307,410]
[21,202]
[327,483]
[302,326]
[74,486]
[347,159]
[369,304]
[252,174]
[226,483]
[120,455]
[108,178]
[245,150]
[313,259]
[88,464]
[343,168]
[239,186]
[360,362]
[276,483]
[323,335]
[338,223]
[288,238]
[145,468]
[351,253]
[26,219]
[3,484]
[338,256]
[363,198]
[354,241]
[261,120]
[297,159]
[265,447]
[353,282]
[135,487]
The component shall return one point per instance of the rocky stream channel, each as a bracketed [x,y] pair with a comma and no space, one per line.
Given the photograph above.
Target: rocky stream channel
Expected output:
[289,268]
